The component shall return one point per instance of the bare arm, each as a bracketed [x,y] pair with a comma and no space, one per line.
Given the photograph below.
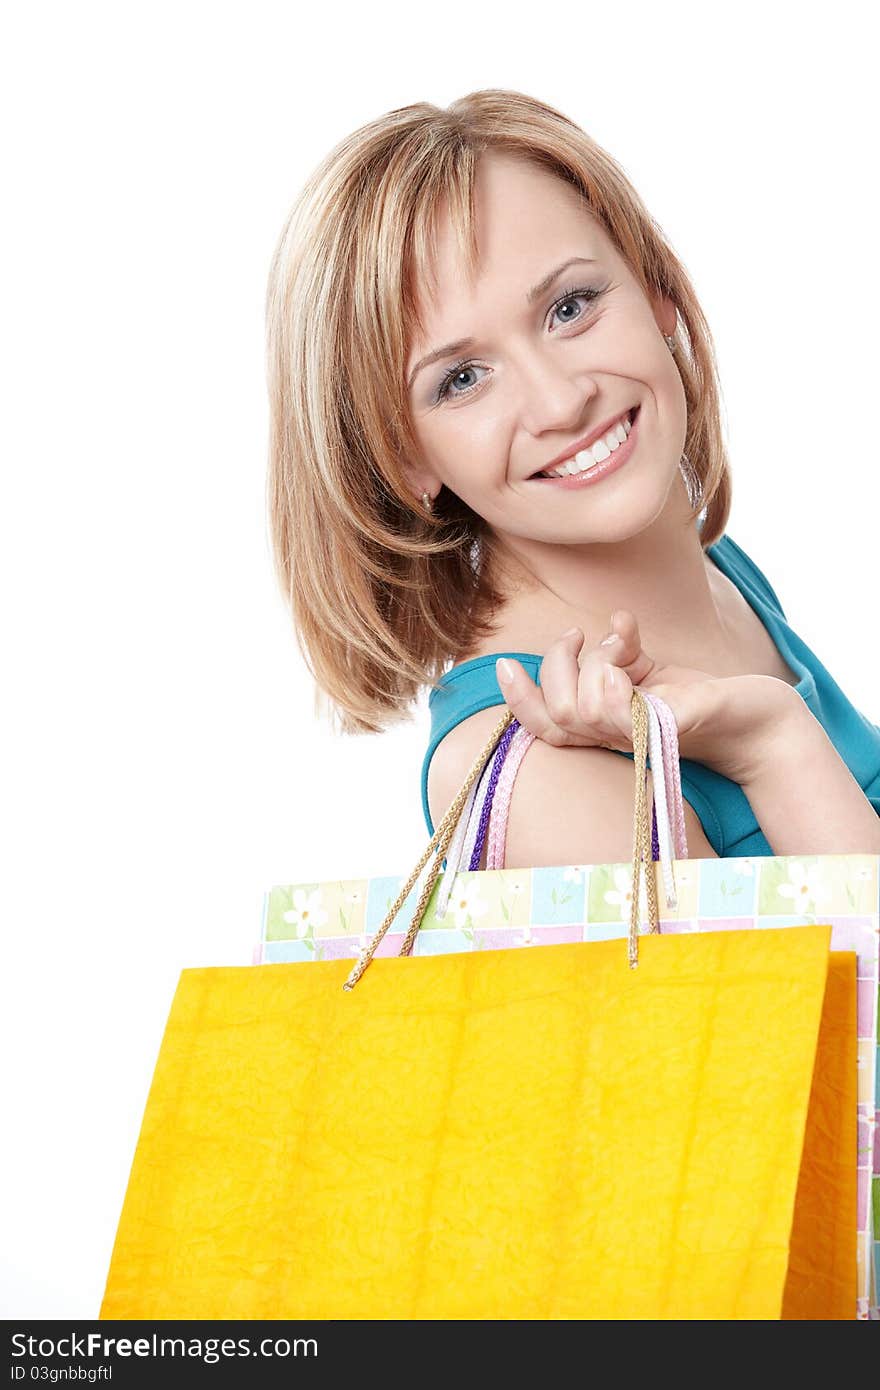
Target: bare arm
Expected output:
[569,805]
[804,796]
[576,806]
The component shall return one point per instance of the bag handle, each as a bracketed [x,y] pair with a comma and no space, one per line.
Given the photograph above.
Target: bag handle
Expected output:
[641,831]
[440,840]
[463,853]
[520,744]
[437,845]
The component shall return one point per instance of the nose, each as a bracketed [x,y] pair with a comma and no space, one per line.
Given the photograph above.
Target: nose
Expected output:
[552,397]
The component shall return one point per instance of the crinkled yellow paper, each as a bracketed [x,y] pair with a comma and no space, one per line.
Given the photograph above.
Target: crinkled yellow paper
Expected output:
[513,1134]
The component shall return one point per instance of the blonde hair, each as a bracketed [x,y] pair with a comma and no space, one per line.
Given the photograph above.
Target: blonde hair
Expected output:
[383,594]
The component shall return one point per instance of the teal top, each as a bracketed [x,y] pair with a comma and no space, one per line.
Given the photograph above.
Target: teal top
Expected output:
[728,821]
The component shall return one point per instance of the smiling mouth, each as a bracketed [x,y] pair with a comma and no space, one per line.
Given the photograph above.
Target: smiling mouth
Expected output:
[585,459]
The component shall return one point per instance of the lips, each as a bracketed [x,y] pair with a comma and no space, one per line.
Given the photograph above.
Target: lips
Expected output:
[586,443]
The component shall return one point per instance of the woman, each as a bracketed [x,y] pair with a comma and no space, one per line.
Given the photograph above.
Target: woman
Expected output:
[496,441]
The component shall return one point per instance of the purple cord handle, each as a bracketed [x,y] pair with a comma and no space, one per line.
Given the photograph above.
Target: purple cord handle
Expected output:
[500,754]
[498,762]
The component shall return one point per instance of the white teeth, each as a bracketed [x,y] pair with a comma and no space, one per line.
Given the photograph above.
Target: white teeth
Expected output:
[598,451]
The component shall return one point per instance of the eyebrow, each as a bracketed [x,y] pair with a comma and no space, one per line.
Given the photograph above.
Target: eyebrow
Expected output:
[449,349]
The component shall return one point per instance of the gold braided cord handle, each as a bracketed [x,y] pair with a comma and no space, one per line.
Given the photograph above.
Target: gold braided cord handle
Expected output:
[439,843]
[440,840]
[641,832]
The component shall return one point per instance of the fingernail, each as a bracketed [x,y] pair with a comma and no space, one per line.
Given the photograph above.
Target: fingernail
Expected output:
[504,670]
[609,640]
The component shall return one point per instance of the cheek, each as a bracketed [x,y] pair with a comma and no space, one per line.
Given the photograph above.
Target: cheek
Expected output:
[677,398]
[661,376]
[470,444]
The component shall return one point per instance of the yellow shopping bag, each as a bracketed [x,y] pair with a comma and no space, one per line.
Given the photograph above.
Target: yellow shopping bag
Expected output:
[503,1134]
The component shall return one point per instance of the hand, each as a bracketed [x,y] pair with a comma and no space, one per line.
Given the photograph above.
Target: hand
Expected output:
[726,723]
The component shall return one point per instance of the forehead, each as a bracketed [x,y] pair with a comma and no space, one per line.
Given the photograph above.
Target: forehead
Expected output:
[526,219]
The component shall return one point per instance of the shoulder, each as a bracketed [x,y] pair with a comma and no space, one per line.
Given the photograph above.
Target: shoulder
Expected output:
[569,805]
[454,756]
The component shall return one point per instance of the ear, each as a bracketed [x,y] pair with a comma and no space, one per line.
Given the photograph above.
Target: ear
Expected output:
[420,479]
[665,313]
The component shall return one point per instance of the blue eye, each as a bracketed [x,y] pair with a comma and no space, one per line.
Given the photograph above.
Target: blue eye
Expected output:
[457,370]
[589,293]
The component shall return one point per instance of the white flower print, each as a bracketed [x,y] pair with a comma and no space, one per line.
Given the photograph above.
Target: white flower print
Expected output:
[574,873]
[804,887]
[307,911]
[466,902]
[622,893]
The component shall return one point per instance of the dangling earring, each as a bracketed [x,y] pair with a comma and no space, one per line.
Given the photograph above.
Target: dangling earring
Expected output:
[691,481]
[428,502]
[670,341]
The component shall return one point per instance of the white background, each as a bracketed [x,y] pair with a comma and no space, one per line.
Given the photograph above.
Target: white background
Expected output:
[162,765]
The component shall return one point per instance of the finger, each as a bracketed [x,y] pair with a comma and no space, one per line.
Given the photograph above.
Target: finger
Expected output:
[604,692]
[559,678]
[591,694]
[618,691]
[623,646]
[527,702]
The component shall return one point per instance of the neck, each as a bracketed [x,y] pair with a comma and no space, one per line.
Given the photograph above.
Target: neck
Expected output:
[660,574]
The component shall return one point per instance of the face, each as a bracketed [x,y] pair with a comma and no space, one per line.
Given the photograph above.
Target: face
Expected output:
[543,374]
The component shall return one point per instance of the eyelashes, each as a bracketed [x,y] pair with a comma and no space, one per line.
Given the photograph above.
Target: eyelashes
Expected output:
[588,292]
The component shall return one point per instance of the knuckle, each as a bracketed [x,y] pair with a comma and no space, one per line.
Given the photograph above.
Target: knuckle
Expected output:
[555,737]
[590,711]
[561,709]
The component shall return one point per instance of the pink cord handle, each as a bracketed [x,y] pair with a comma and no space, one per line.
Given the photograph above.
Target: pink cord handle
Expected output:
[500,814]
[672,774]
[667,784]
